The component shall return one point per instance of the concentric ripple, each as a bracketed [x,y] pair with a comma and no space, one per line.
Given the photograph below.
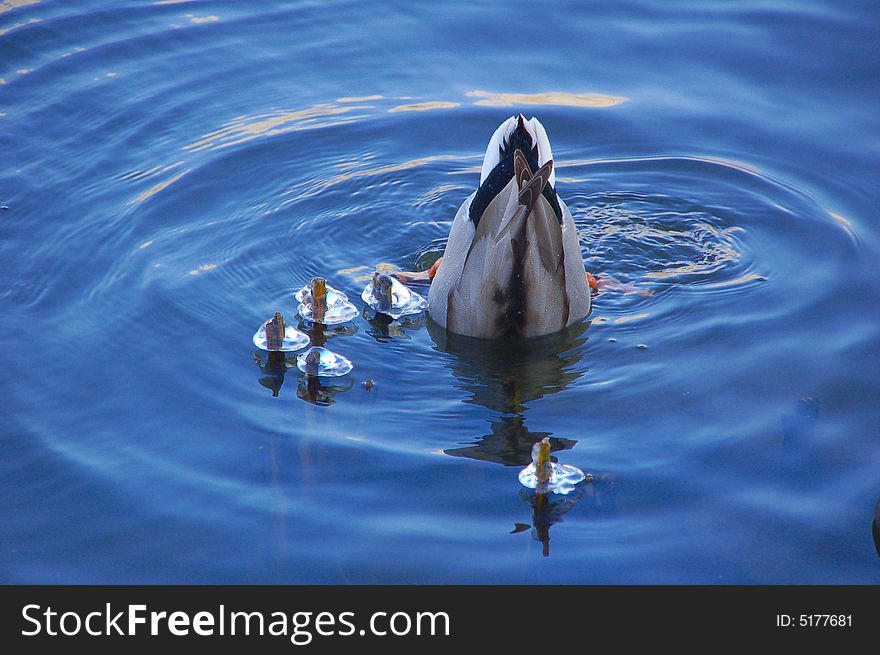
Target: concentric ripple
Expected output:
[176,170]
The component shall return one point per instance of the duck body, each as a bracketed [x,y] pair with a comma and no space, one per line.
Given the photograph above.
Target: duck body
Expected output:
[512,265]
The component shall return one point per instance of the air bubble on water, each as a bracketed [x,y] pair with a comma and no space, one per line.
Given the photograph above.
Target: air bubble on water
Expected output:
[293,340]
[562,478]
[320,361]
[387,295]
[339,309]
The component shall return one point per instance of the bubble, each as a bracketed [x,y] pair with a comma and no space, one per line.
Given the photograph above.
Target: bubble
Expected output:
[321,303]
[320,361]
[549,476]
[269,338]
[387,295]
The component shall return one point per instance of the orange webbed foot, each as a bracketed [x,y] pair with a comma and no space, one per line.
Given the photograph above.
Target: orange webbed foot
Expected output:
[419,277]
[608,283]
[592,281]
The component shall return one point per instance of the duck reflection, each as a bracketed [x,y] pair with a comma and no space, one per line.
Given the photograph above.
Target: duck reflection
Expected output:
[275,367]
[547,510]
[316,391]
[320,333]
[383,327]
[504,377]
[510,443]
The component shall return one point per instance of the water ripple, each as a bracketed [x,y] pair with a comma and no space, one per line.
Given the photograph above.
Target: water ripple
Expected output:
[176,170]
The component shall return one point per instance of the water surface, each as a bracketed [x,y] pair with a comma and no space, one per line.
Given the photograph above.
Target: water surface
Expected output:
[173,172]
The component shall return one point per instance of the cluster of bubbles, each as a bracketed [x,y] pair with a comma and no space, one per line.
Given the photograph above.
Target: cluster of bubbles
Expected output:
[320,303]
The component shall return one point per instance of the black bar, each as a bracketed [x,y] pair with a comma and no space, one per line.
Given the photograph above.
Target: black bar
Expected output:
[546,618]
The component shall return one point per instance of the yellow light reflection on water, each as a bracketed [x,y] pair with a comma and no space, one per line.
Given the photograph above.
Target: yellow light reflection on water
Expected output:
[251,127]
[365,273]
[319,186]
[158,187]
[424,106]
[359,99]
[629,319]
[9,5]
[202,268]
[732,283]
[202,19]
[845,223]
[562,99]
[5,30]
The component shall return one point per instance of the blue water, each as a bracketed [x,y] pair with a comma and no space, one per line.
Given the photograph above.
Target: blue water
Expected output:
[172,172]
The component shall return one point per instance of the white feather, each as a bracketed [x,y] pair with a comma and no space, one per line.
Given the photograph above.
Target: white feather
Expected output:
[536,131]
[545,154]
[493,150]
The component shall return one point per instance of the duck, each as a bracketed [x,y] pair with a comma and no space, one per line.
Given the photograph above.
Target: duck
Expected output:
[512,266]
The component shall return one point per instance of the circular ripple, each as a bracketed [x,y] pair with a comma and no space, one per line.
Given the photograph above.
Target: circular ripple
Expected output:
[659,238]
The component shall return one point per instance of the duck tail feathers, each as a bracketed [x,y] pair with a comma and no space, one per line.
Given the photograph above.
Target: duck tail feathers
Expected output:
[534,187]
